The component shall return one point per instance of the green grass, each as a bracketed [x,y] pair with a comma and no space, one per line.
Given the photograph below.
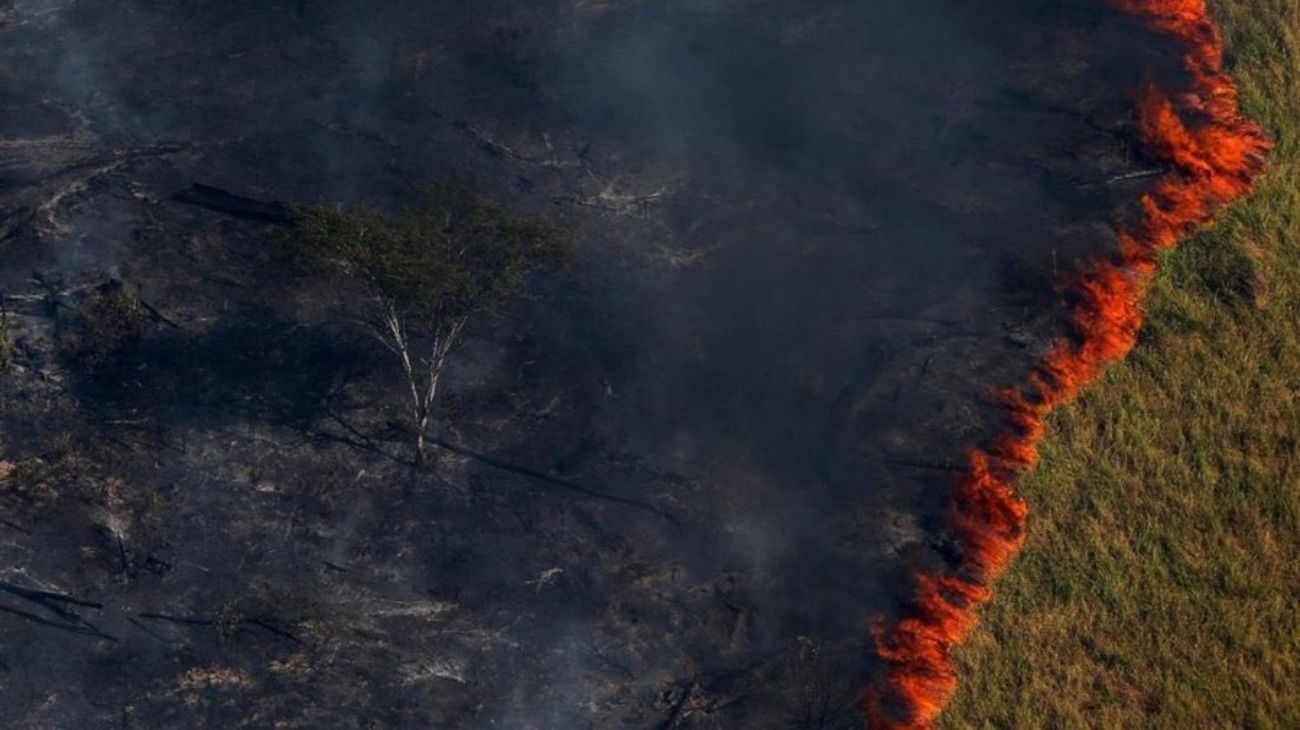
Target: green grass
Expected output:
[1160,586]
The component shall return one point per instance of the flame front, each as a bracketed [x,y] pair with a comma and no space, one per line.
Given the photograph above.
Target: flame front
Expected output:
[1212,154]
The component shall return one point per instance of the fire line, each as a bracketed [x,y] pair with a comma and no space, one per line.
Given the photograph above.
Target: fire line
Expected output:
[1213,154]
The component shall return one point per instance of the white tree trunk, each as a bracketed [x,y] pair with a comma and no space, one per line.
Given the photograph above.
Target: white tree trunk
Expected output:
[423,382]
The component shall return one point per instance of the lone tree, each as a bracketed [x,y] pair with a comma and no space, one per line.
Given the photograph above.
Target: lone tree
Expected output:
[428,270]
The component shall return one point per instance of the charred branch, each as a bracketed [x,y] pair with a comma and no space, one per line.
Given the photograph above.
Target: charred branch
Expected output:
[261,623]
[75,628]
[928,464]
[54,603]
[15,526]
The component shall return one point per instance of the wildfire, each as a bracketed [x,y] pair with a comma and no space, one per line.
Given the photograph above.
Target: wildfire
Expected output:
[1212,154]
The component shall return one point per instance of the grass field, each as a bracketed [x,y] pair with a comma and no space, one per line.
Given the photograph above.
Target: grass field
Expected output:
[1160,585]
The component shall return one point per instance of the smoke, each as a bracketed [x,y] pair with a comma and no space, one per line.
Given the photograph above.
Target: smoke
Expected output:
[798,223]
[1213,155]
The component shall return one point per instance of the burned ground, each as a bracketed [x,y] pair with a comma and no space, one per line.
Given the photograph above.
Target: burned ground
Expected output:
[679,479]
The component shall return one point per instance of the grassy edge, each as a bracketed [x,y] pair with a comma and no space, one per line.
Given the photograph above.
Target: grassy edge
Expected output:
[1158,585]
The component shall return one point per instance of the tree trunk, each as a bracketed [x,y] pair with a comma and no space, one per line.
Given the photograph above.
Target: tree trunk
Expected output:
[421,439]
[426,416]
[424,390]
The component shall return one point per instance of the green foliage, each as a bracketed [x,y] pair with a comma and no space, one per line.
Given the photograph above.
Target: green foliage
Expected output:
[1158,585]
[455,253]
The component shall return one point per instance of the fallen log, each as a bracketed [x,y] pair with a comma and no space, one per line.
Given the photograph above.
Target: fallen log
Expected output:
[237,206]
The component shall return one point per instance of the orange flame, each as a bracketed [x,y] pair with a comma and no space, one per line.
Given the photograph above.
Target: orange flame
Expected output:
[1212,154]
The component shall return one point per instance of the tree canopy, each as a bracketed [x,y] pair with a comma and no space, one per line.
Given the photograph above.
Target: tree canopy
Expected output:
[452,254]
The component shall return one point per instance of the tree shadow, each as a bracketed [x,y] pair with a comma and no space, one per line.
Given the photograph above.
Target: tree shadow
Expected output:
[251,365]
[254,366]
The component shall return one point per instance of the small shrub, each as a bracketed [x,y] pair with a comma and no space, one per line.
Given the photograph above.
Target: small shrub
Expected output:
[7,335]
[106,324]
